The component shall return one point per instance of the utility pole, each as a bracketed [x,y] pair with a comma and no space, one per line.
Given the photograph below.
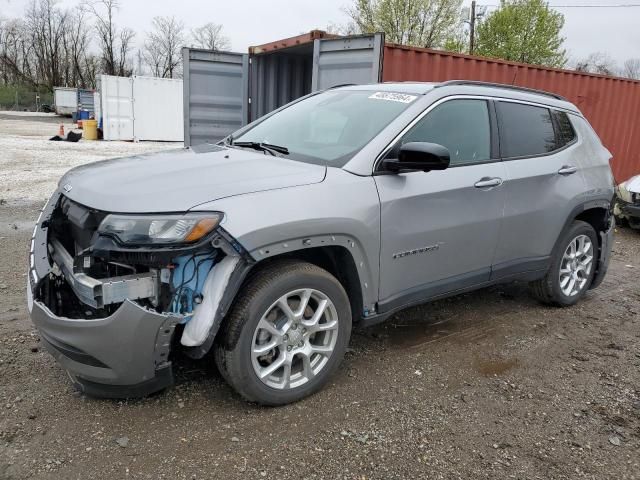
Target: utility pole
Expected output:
[472,30]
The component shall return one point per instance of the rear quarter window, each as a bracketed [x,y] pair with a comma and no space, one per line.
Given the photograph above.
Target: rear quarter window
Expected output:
[525,130]
[566,132]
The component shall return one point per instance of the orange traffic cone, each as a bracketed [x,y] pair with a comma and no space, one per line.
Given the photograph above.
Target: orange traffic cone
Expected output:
[61,131]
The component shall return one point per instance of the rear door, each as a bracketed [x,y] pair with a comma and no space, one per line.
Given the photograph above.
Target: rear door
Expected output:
[216,89]
[543,184]
[339,61]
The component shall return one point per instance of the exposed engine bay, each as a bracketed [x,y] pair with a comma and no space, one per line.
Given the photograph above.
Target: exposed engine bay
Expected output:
[93,273]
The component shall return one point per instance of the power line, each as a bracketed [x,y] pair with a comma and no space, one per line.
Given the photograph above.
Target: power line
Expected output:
[625,5]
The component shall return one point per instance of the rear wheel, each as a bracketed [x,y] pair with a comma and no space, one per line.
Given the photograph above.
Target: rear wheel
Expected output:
[286,334]
[572,267]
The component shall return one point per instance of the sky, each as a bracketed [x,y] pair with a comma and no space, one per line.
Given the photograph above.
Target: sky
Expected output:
[615,31]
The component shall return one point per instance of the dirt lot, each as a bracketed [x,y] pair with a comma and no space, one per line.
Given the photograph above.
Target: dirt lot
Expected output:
[30,165]
[485,385]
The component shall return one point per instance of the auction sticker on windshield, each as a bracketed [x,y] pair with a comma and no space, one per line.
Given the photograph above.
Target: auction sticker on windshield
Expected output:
[393,97]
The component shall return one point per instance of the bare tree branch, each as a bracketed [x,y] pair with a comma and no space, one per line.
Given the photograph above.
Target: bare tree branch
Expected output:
[163,47]
[631,68]
[210,37]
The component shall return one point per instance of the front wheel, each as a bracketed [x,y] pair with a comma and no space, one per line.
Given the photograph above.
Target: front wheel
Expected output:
[572,268]
[286,334]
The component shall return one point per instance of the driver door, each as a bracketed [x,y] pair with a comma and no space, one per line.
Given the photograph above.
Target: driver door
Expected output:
[440,229]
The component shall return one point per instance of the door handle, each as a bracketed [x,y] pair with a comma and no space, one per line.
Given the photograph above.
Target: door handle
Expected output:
[486,182]
[567,170]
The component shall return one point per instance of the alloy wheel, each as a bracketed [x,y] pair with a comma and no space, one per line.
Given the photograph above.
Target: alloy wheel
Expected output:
[576,265]
[294,339]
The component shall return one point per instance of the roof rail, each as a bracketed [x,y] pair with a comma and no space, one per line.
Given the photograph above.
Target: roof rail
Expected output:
[501,85]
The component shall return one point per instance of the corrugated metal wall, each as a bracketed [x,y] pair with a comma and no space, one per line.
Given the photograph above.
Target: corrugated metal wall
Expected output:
[85,100]
[277,79]
[354,59]
[612,105]
[215,94]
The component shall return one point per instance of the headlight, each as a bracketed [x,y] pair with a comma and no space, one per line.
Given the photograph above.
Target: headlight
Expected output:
[159,229]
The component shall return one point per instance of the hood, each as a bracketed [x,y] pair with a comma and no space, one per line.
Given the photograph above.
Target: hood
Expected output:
[177,180]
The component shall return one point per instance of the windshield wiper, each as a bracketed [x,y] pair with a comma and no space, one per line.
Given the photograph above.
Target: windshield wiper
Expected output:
[264,147]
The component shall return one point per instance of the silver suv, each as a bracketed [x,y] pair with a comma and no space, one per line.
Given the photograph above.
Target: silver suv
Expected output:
[338,209]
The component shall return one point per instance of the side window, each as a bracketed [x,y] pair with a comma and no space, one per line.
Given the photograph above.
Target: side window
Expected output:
[565,130]
[525,130]
[460,125]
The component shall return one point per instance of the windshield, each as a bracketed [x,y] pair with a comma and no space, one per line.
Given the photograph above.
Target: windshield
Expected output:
[331,127]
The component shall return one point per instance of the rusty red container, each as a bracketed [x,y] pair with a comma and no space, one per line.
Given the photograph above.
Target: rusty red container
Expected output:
[611,104]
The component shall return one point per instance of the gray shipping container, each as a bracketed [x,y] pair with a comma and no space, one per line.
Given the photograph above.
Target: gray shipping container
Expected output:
[224,91]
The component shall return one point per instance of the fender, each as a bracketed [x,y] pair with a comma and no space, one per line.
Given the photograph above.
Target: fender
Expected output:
[343,210]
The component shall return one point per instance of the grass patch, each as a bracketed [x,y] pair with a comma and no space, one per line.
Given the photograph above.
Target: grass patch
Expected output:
[21,98]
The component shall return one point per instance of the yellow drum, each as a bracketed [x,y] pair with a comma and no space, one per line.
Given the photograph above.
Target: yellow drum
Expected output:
[90,129]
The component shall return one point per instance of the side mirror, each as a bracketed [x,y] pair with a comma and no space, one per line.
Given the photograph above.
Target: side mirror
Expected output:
[418,156]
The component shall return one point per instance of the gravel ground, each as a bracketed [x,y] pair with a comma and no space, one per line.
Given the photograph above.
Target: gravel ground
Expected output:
[489,384]
[30,165]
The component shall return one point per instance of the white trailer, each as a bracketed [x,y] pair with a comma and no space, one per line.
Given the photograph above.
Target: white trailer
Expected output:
[65,100]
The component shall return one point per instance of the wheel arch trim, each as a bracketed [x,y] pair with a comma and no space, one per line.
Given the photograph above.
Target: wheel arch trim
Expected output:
[349,243]
[257,257]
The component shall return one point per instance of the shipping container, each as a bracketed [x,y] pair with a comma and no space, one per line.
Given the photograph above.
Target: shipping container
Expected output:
[141,108]
[223,91]
[65,100]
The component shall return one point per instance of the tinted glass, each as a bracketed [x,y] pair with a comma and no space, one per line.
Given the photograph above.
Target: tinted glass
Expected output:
[331,127]
[460,125]
[525,130]
[565,129]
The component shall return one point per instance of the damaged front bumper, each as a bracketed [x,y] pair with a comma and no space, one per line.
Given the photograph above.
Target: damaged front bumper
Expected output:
[123,355]
[113,334]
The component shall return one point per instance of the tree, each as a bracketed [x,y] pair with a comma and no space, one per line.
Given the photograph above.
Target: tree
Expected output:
[16,54]
[45,26]
[210,37]
[526,31]
[631,68]
[115,44]
[78,62]
[49,47]
[163,47]
[425,23]
[598,62]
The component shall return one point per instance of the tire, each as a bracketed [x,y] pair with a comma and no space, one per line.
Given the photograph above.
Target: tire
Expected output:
[550,289]
[259,320]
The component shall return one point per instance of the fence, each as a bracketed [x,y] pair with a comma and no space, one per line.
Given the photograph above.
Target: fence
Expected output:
[17,98]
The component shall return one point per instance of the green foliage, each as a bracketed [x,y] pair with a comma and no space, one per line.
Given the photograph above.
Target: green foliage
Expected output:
[424,23]
[457,41]
[17,97]
[526,31]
